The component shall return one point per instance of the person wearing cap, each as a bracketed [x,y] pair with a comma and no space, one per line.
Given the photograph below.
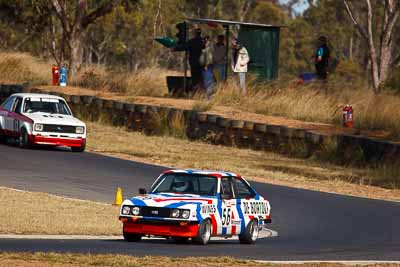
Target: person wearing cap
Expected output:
[219,57]
[240,60]
[194,46]
[322,58]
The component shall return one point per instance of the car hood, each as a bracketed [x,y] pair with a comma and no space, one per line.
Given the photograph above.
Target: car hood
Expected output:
[169,200]
[48,118]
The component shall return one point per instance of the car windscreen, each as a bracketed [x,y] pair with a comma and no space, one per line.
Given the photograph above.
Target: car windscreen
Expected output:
[186,184]
[47,105]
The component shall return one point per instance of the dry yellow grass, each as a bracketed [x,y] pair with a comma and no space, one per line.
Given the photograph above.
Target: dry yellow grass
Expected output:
[317,103]
[64,260]
[255,165]
[23,68]
[145,82]
[312,103]
[40,213]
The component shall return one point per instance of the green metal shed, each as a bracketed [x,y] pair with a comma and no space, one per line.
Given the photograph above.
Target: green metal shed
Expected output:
[262,43]
[260,40]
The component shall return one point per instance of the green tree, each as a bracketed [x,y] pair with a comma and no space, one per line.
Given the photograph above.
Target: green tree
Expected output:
[380,42]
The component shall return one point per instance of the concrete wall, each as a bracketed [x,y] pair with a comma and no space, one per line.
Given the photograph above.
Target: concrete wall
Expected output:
[218,130]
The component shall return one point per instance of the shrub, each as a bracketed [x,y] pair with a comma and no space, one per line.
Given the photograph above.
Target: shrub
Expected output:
[93,77]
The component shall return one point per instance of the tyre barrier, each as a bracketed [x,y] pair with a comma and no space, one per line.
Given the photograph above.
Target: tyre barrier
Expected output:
[215,129]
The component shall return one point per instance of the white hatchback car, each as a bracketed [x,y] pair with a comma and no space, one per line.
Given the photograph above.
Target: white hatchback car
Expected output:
[41,119]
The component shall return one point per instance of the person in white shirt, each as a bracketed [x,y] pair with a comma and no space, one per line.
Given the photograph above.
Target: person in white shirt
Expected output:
[240,60]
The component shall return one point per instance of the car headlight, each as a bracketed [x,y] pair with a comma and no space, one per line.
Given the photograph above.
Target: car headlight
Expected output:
[135,211]
[175,213]
[80,130]
[126,210]
[38,127]
[185,214]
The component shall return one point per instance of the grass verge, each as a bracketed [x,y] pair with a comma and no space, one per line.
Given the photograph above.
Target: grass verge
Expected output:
[40,213]
[64,260]
[24,68]
[255,165]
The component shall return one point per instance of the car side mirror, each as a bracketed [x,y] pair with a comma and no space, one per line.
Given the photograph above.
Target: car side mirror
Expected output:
[142,191]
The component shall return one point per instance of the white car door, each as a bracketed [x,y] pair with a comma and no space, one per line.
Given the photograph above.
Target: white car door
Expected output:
[227,208]
[251,205]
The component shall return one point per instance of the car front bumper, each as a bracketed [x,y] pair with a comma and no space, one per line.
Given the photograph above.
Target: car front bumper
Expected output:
[57,141]
[166,228]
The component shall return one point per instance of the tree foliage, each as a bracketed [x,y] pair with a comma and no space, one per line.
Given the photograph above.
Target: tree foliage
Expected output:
[119,33]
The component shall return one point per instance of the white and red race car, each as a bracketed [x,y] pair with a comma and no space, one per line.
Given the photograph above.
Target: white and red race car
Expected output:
[41,119]
[185,204]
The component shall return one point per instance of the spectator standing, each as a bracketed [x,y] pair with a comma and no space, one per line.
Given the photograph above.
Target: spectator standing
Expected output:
[322,56]
[240,60]
[219,55]
[206,62]
[194,47]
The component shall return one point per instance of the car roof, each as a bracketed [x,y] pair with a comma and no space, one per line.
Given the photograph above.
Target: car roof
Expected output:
[204,172]
[37,95]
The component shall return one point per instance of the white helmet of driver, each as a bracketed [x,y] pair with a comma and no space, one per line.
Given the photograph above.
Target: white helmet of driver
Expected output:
[180,185]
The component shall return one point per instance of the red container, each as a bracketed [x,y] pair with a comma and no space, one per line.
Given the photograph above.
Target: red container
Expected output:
[56,75]
[348,116]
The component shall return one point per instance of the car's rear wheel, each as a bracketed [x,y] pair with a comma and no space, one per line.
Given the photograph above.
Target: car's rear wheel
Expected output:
[132,237]
[78,148]
[24,141]
[204,233]
[250,234]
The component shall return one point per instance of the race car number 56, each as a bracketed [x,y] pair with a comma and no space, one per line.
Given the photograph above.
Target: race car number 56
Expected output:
[226,216]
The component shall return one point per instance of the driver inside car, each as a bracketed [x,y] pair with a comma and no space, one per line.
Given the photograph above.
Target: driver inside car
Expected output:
[182,186]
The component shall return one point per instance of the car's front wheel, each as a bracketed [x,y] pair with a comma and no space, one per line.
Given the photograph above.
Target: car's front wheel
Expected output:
[250,234]
[204,233]
[24,141]
[78,148]
[132,237]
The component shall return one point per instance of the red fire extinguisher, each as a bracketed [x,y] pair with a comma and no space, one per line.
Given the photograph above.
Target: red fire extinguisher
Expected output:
[56,74]
[348,116]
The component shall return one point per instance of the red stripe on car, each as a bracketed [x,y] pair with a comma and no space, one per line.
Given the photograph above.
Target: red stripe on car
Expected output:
[233,226]
[214,224]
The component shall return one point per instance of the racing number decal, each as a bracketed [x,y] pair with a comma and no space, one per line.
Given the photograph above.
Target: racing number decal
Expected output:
[226,216]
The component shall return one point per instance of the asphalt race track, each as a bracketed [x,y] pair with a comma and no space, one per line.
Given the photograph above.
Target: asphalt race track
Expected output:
[311,225]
